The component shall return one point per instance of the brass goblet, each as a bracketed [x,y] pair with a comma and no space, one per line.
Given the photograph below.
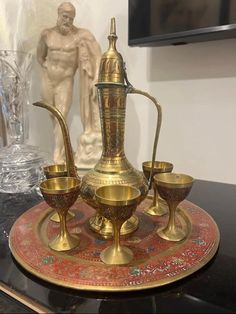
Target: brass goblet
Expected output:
[54,171]
[173,188]
[61,193]
[158,206]
[117,203]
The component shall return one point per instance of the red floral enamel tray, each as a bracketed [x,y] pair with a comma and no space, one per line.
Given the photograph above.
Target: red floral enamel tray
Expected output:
[157,262]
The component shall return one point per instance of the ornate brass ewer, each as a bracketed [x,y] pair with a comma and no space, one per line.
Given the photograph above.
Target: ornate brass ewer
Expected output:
[113,167]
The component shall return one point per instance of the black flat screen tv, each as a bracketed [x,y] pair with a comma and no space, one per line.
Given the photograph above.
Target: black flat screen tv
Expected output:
[175,22]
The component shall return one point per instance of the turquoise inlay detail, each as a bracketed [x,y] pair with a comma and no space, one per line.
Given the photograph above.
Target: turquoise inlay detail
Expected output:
[199,242]
[48,260]
[100,241]
[135,271]
[150,249]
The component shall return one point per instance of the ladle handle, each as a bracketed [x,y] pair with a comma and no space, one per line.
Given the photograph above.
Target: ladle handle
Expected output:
[132,90]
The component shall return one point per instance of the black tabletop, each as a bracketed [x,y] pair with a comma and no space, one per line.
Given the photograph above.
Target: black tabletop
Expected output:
[212,289]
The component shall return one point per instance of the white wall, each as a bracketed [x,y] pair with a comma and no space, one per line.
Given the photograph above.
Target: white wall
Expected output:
[197,86]
[195,83]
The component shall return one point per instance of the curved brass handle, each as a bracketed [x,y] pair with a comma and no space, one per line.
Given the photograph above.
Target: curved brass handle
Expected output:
[70,165]
[132,90]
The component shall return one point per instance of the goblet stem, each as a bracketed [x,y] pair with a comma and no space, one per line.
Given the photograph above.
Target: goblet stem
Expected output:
[64,241]
[172,232]
[63,228]
[116,227]
[154,203]
[116,254]
[103,226]
[157,208]
[171,222]
[55,216]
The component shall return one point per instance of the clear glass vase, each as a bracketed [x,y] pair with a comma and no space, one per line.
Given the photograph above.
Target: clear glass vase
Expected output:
[20,163]
[15,79]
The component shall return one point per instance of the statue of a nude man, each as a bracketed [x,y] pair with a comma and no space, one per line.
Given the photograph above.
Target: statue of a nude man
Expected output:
[61,51]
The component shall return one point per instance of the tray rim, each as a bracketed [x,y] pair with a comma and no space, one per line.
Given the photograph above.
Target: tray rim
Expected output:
[120,289]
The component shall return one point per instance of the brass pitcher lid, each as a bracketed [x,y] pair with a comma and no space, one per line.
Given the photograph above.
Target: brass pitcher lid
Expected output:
[111,69]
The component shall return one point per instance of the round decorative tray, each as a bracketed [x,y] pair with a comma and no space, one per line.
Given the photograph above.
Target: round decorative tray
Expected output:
[156,261]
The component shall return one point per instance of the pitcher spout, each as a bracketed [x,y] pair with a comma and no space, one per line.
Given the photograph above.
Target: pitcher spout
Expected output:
[70,165]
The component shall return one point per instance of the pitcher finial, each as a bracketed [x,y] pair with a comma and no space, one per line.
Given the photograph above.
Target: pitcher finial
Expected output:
[113,26]
[111,70]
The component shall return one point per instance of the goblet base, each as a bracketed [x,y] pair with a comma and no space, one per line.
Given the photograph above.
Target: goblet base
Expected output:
[104,226]
[175,234]
[55,216]
[112,256]
[159,209]
[64,243]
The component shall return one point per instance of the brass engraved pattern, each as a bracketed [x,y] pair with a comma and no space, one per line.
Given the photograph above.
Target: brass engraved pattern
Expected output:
[111,70]
[113,167]
[173,194]
[105,179]
[93,179]
[116,214]
[112,114]
[61,201]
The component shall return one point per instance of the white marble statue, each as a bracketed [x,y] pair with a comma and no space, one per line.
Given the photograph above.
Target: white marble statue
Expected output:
[62,51]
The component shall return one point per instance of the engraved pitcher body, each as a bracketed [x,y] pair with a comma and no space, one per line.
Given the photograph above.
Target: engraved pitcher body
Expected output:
[113,166]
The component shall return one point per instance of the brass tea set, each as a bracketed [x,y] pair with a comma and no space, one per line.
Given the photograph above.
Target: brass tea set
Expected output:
[114,188]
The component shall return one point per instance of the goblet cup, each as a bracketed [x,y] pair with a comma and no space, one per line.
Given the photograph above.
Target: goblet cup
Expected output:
[55,171]
[61,193]
[158,206]
[117,203]
[173,188]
